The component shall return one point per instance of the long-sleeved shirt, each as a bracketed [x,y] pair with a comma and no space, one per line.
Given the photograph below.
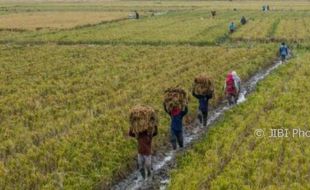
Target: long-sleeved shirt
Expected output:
[283,50]
[144,141]
[177,120]
[232,26]
[243,20]
[237,84]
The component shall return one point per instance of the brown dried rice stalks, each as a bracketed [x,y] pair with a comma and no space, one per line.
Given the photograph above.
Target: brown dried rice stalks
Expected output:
[175,97]
[203,85]
[143,118]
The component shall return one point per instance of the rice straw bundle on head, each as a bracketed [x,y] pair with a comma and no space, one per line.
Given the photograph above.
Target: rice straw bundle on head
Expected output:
[175,97]
[143,118]
[203,85]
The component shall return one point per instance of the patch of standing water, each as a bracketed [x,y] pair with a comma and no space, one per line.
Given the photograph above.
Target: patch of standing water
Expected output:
[163,164]
[241,98]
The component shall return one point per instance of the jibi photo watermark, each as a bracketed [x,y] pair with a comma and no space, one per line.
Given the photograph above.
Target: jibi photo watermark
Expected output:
[282,133]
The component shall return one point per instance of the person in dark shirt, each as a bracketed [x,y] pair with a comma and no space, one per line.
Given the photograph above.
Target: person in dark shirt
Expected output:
[283,51]
[145,150]
[203,107]
[137,15]
[176,126]
[243,20]
[213,13]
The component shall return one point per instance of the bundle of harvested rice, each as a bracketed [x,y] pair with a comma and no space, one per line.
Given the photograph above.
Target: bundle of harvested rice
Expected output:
[175,97]
[203,85]
[143,118]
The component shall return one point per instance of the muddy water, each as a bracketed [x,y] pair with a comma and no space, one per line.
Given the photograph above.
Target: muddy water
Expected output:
[165,161]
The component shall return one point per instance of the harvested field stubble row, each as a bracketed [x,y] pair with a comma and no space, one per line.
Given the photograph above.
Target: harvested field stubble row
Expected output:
[287,26]
[56,20]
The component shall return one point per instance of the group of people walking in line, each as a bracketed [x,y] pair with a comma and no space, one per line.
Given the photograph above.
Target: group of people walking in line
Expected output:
[232,88]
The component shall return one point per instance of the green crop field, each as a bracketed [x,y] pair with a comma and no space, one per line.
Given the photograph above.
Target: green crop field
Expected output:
[294,27]
[192,27]
[71,70]
[73,111]
[241,160]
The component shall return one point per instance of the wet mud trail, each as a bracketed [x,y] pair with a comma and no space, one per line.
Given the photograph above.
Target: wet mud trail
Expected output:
[163,162]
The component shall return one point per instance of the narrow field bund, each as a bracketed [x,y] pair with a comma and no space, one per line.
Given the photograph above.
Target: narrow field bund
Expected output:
[241,160]
[165,161]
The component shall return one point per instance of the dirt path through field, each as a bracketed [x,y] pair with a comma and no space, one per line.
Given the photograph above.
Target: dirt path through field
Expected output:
[164,161]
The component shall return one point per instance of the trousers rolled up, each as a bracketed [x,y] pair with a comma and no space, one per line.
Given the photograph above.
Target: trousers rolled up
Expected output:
[145,165]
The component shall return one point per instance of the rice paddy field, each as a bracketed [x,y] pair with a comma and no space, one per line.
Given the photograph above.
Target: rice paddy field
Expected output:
[71,70]
[241,160]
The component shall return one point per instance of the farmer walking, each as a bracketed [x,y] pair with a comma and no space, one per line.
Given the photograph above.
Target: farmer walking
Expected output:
[203,90]
[176,127]
[283,51]
[243,20]
[144,123]
[203,107]
[232,27]
[232,87]
[137,15]
[175,104]
[237,81]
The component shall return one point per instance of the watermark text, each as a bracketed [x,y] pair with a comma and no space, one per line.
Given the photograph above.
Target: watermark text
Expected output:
[282,133]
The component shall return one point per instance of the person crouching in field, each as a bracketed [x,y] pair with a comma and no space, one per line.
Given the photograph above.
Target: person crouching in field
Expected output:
[232,27]
[243,20]
[283,51]
[144,123]
[232,87]
[176,127]
[213,14]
